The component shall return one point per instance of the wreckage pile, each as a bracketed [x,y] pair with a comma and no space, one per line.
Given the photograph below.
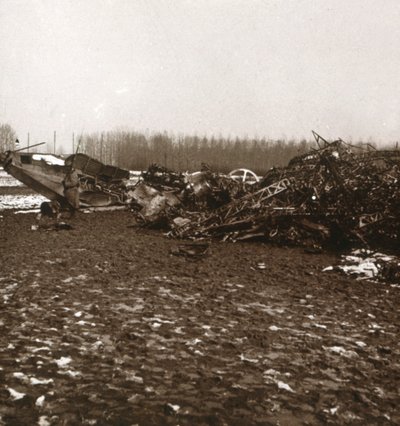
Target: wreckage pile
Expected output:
[163,197]
[336,195]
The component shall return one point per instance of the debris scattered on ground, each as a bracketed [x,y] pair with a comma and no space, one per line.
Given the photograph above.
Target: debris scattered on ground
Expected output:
[337,195]
[54,226]
[195,250]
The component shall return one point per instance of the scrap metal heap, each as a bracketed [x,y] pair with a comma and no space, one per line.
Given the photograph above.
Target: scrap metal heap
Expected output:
[338,194]
[165,197]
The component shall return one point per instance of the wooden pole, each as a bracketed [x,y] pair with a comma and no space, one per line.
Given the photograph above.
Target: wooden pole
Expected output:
[101,148]
[28,141]
[55,138]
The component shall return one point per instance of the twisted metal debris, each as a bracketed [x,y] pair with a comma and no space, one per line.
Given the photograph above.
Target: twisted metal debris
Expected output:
[337,194]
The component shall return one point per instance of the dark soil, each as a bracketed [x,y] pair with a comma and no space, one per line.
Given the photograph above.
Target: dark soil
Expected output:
[105,325]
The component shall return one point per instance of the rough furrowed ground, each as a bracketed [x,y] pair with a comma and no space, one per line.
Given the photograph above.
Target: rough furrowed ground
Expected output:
[104,325]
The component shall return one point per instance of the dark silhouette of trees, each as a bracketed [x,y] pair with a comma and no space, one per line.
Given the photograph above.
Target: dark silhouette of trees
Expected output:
[136,151]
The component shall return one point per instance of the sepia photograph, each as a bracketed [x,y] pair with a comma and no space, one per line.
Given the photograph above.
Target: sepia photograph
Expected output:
[199,212]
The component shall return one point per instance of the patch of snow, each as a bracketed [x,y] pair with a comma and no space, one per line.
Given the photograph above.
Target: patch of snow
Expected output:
[21,201]
[342,351]
[284,386]
[337,349]
[70,373]
[81,277]
[271,372]
[244,358]
[27,211]
[42,348]
[70,279]
[133,398]
[43,421]
[375,326]
[40,401]
[47,342]
[97,344]
[7,180]
[364,263]
[162,321]
[271,375]
[134,378]
[35,381]
[379,391]
[193,342]
[174,407]
[365,268]
[49,159]
[20,376]
[274,328]
[320,326]
[15,395]
[63,361]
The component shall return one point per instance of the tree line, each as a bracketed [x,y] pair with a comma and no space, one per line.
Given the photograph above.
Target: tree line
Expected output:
[136,151]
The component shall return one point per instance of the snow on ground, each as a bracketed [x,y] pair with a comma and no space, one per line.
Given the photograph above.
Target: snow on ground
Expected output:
[366,265]
[7,180]
[32,201]
[130,334]
[17,201]
[21,201]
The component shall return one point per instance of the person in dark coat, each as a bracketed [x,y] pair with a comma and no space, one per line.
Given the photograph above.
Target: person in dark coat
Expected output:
[71,190]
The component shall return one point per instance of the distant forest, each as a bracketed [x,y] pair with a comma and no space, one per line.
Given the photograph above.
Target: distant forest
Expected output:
[136,151]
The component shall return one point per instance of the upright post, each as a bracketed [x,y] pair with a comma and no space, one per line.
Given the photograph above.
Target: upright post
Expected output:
[55,137]
[101,147]
[28,141]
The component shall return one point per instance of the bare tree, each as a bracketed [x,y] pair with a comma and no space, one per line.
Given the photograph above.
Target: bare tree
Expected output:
[7,137]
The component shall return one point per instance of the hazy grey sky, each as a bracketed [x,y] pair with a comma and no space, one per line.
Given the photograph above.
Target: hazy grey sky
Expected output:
[231,67]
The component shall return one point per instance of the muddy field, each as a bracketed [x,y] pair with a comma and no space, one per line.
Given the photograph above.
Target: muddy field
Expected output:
[105,324]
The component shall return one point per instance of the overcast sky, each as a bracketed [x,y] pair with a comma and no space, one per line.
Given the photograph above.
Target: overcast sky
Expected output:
[231,67]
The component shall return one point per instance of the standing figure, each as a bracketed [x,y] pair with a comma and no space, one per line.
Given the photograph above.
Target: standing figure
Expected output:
[71,190]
